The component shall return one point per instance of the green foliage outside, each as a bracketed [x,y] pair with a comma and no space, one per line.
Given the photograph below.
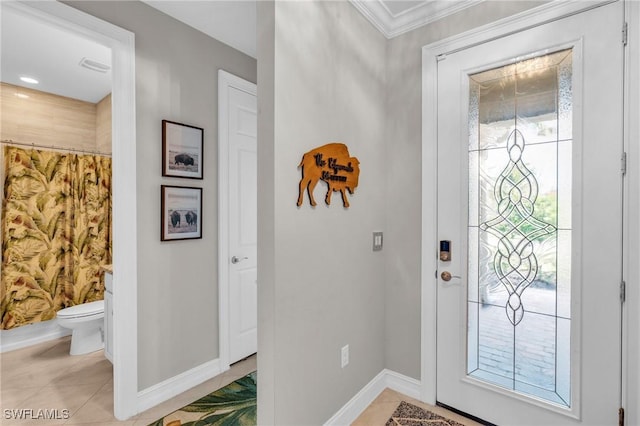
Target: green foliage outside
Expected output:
[545,210]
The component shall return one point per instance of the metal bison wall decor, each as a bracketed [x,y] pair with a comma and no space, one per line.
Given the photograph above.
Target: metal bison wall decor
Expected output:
[332,164]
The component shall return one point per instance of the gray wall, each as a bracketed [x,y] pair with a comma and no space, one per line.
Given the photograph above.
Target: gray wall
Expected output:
[403,202]
[176,79]
[266,212]
[326,286]
[325,75]
[321,287]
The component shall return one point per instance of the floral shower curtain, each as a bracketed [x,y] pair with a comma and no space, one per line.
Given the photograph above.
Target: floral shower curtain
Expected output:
[56,233]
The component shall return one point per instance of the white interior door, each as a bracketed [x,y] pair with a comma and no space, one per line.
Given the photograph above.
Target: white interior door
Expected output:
[241,125]
[530,198]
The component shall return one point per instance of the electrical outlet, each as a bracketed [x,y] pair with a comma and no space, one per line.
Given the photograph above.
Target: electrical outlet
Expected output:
[345,355]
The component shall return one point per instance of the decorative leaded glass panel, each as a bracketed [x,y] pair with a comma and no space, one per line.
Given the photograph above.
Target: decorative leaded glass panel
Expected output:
[519,228]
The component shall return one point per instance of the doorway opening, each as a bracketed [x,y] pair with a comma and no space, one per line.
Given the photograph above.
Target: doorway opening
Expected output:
[123,133]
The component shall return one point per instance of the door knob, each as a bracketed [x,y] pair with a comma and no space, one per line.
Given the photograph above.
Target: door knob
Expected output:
[446,276]
[236,259]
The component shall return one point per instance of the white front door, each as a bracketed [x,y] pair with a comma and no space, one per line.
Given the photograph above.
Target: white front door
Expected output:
[240,123]
[530,197]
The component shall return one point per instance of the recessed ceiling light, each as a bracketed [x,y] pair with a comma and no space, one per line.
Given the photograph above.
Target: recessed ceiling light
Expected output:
[29,80]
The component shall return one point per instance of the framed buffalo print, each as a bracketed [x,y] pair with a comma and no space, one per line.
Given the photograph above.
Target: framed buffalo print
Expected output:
[182,147]
[181,217]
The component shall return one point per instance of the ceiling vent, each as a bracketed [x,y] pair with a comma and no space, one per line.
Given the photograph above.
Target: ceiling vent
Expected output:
[94,65]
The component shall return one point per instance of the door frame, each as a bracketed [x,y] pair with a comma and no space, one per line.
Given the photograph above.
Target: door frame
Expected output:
[123,110]
[631,224]
[430,53]
[226,81]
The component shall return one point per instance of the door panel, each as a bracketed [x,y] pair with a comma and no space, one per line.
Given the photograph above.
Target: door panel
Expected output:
[242,224]
[529,194]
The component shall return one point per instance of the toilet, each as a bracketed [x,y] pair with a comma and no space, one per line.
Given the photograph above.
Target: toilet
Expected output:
[86,322]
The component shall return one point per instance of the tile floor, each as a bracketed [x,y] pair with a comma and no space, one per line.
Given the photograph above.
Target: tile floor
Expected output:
[386,403]
[46,377]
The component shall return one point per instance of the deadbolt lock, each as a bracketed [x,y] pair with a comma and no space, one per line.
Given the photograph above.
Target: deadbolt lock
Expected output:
[445,250]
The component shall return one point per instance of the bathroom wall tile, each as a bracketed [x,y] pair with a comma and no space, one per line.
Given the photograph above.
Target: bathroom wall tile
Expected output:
[46,118]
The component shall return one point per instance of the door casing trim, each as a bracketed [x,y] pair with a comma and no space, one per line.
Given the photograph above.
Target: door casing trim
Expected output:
[431,53]
[631,226]
[122,45]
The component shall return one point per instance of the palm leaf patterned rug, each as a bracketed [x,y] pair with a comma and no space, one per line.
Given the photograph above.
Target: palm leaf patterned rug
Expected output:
[409,415]
[232,405]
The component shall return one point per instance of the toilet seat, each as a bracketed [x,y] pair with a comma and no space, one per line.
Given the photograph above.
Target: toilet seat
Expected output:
[82,310]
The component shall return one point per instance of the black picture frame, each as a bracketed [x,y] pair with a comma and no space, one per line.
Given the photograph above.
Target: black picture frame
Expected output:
[182,150]
[181,213]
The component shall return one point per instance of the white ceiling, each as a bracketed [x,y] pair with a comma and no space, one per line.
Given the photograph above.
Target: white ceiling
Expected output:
[52,55]
[233,22]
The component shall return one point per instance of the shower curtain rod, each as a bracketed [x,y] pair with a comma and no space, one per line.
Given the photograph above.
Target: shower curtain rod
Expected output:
[53,147]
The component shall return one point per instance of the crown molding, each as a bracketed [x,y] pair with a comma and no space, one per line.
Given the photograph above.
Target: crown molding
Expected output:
[393,24]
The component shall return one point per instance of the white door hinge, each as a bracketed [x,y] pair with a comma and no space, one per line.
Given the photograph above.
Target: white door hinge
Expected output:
[623,163]
[623,291]
[625,33]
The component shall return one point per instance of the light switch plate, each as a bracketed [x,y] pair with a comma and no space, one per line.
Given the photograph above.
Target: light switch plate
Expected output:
[344,356]
[377,241]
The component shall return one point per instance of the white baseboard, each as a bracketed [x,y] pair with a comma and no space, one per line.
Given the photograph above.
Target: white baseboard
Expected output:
[403,384]
[169,388]
[32,334]
[385,379]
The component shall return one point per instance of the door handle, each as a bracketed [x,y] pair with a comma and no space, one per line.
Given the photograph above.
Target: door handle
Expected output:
[236,259]
[446,276]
